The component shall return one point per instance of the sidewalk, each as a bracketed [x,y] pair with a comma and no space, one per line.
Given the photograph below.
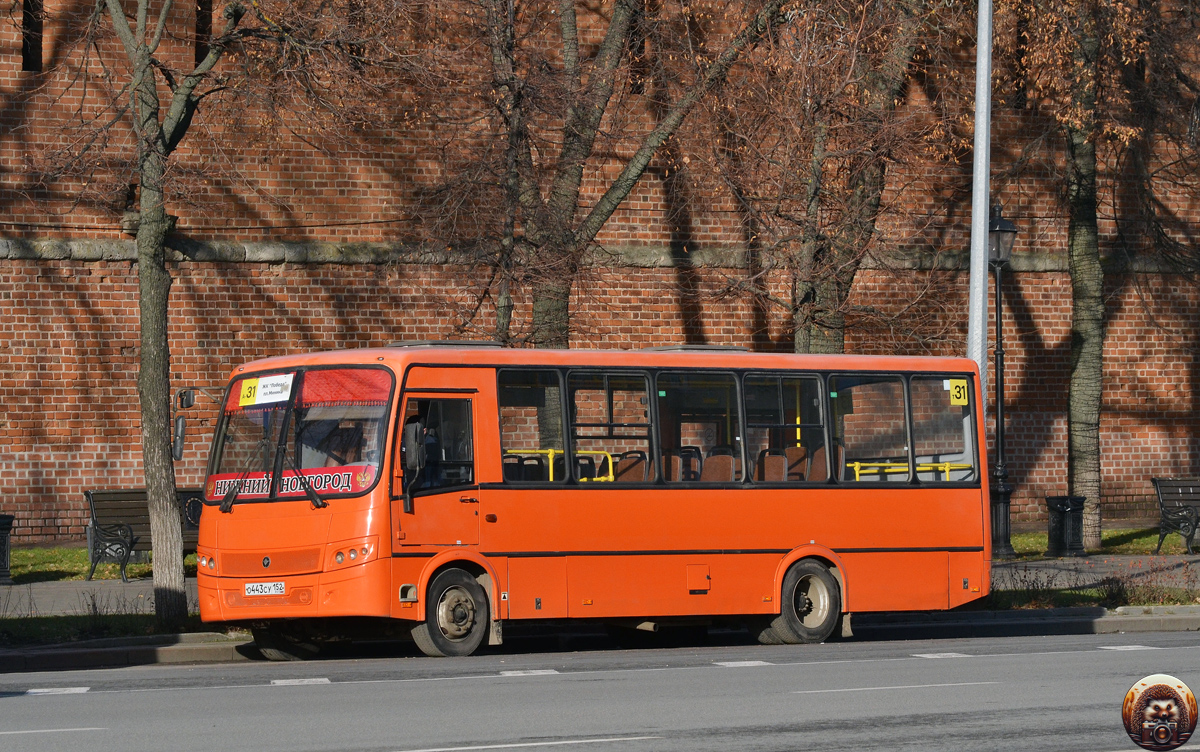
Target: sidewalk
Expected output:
[1088,571]
[79,597]
[83,597]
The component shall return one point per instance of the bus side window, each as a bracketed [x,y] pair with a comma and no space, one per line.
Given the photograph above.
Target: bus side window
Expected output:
[444,427]
[531,426]
[785,428]
[943,428]
[699,432]
[870,429]
[610,426]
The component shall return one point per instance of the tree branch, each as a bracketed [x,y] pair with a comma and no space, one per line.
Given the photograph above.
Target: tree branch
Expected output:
[768,17]
[184,101]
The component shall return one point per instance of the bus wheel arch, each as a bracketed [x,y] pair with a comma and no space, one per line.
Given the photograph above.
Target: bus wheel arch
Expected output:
[457,614]
[821,553]
[468,561]
[812,597]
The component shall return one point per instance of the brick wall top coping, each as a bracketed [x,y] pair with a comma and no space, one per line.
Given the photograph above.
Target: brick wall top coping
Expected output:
[183,250]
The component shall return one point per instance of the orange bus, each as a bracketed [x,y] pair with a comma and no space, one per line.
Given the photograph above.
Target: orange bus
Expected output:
[446,488]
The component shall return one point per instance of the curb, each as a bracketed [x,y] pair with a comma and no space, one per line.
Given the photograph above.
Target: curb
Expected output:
[209,647]
[1024,623]
[201,647]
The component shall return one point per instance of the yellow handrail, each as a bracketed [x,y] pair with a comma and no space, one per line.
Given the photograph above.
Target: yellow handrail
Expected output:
[610,477]
[876,468]
[552,453]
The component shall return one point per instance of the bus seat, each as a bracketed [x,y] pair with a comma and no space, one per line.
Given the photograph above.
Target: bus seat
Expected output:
[533,468]
[585,466]
[512,467]
[719,467]
[797,463]
[691,464]
[772,466]
[721,449]
[631,467]
[672,466]
[816,466]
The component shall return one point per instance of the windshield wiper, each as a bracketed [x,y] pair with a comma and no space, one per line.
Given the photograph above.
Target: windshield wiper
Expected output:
[309,491]
[231,495]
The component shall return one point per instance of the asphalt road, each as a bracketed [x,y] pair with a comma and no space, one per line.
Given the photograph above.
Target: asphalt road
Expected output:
[1019,693]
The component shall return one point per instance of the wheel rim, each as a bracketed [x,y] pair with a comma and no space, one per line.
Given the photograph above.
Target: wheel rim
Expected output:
[456,613]
[812,601]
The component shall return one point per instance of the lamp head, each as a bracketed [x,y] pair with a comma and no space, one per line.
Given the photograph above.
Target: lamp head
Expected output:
[1002,233]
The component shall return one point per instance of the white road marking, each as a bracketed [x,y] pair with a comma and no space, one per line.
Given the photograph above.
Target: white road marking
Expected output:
[297,682]
[657,669]
[904,686]
[525,745]
[940,655]
[741,664]
[57,691]
[1128,647]
[49,731]
[530,672]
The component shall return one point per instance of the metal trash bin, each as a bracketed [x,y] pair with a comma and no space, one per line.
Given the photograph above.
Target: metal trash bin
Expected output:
[1064,526]
[6,524]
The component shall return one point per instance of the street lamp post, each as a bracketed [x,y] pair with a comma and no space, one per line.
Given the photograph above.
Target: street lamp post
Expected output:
[1001,235]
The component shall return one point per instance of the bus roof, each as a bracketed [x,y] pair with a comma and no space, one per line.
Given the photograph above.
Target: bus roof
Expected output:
[400,356]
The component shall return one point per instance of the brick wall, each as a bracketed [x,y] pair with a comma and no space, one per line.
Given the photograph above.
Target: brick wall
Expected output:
[69,418]
[68,319]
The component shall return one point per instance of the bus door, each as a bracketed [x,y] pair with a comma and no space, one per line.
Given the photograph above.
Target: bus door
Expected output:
[435,488]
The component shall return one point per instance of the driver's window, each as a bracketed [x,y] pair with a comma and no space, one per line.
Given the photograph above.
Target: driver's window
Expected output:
[443,426]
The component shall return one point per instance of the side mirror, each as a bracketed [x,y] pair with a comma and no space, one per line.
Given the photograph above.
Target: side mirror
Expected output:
[177,441]
[185,398]
[412,448]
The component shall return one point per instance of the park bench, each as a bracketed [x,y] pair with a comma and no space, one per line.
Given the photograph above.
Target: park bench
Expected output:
[120,524]
[1179,508]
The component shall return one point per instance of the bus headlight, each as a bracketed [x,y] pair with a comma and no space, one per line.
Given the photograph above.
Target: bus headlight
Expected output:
[351,553]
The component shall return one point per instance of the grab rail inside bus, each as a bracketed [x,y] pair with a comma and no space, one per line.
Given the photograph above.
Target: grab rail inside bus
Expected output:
[552,453]
[861,468]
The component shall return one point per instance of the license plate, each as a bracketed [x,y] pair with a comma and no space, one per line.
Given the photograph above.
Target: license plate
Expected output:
[264,588]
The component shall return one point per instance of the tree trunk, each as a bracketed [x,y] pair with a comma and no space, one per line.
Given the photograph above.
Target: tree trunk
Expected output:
[154,377]
[1087,286]
[1087,332]
[154,392]
[551,313]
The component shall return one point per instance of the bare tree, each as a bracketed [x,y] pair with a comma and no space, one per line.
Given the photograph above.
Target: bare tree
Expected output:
[806,136]
[564,95]
[1073,69]
[140,92]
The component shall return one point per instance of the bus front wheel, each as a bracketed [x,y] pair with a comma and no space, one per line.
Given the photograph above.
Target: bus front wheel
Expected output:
[456,616]
[811,603]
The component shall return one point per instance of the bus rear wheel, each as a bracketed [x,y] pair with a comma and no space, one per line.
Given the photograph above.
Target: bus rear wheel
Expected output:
[456,616]
[811,603]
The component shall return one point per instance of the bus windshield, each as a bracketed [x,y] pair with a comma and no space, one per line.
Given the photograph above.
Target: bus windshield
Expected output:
[326,425]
